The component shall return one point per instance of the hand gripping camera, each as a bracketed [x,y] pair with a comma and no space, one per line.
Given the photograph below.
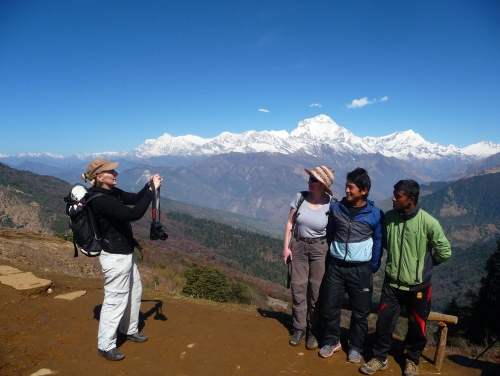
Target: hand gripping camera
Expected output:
[157,231]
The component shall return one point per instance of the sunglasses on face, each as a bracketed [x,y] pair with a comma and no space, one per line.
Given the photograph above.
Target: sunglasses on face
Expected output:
[312,179]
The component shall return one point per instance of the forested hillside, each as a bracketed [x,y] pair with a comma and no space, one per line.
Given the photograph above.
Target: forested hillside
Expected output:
[471,201]
[463,271]
[467,209]
[247,252]
[41,197]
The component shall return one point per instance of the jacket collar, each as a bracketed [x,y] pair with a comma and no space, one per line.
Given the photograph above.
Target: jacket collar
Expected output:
[410,215]
[367,208]
[102,190]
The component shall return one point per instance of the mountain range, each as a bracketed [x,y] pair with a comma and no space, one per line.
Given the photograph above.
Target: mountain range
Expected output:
[256,174]
[317,137]
[311,137]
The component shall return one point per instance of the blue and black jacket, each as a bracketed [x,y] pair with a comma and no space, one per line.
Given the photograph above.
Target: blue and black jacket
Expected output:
[357,240]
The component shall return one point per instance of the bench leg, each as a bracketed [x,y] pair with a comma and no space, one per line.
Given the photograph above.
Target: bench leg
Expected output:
[441,345]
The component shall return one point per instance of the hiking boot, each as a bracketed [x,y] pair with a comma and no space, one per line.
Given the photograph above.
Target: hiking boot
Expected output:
[113,354]
[311,343]
[354,356]
[411,369]
[373,366]
[328,350]
[297,337]
[137,337]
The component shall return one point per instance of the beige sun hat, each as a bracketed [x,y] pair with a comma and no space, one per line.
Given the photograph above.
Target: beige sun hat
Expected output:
[96,167]
[325,175]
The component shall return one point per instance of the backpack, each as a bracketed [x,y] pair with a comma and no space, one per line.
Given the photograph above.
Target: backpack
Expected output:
[82,221]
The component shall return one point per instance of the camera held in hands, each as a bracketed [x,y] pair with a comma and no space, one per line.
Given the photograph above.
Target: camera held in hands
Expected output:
[157,230]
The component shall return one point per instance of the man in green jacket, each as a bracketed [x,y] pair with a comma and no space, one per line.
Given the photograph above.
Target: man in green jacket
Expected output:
[415,242]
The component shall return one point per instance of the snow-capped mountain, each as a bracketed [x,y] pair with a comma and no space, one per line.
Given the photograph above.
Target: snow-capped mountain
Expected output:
[38,155]
[311,136]
[484,149]
[226,142]
[408,145]
[318,137]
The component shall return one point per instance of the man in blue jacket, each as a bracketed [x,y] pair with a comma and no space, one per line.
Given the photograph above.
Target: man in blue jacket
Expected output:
[355,235]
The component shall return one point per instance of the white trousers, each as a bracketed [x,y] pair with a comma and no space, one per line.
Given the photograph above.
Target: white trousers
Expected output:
[122,298]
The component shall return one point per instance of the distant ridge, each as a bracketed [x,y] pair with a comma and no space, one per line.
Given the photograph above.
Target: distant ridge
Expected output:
[314,141]
[315,136]
[311,136]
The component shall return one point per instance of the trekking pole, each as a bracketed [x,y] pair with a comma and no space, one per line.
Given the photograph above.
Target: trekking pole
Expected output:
[156,231]
[289,276]
[480,355]
[155,207]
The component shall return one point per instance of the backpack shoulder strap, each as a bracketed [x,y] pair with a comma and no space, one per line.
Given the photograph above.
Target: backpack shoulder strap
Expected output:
[91,196]
[303,196]
[333,200]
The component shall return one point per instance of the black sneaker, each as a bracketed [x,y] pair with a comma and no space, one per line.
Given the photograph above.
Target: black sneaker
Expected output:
[137,337]
[297,337]
[113,354]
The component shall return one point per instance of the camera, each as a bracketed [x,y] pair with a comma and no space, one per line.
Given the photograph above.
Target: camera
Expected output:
[157,231]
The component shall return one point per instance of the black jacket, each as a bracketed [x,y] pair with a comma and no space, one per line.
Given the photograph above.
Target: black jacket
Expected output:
[113,216]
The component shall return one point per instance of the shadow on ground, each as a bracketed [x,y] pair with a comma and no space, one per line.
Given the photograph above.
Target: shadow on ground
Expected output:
[156,310]
[283,318]
[487,368]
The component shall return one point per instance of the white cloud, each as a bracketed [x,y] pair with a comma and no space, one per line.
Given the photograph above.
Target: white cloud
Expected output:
[315,105]
[263,110]
[358,103]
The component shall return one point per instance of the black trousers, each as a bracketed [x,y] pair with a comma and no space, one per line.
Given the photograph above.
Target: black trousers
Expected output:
[357,281]
[418,306]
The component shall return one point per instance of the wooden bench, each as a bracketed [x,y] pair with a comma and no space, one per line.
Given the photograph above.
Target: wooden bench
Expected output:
[440,318]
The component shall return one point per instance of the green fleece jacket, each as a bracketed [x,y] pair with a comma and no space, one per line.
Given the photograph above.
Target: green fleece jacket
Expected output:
[414,243]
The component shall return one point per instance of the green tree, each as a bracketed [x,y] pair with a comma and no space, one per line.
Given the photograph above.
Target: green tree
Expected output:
[457,331]
[207,282]
[240,293]
[484,323]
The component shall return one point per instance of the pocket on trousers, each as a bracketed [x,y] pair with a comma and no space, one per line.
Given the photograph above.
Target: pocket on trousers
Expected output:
[365,279]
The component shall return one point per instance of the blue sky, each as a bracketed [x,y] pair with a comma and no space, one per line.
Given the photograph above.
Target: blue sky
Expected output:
[90,76]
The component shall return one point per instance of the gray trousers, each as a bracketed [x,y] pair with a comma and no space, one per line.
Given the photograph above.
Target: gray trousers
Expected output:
[308,268]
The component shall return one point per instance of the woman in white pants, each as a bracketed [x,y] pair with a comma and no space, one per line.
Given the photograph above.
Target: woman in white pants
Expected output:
[122,282]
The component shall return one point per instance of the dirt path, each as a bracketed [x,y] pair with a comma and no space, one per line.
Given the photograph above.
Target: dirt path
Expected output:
[186,337]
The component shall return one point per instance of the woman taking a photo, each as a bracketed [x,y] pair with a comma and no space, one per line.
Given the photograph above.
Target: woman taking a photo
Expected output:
[305,246]
[122,282]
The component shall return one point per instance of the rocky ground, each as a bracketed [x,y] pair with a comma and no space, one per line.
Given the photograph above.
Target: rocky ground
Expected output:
[186,337]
